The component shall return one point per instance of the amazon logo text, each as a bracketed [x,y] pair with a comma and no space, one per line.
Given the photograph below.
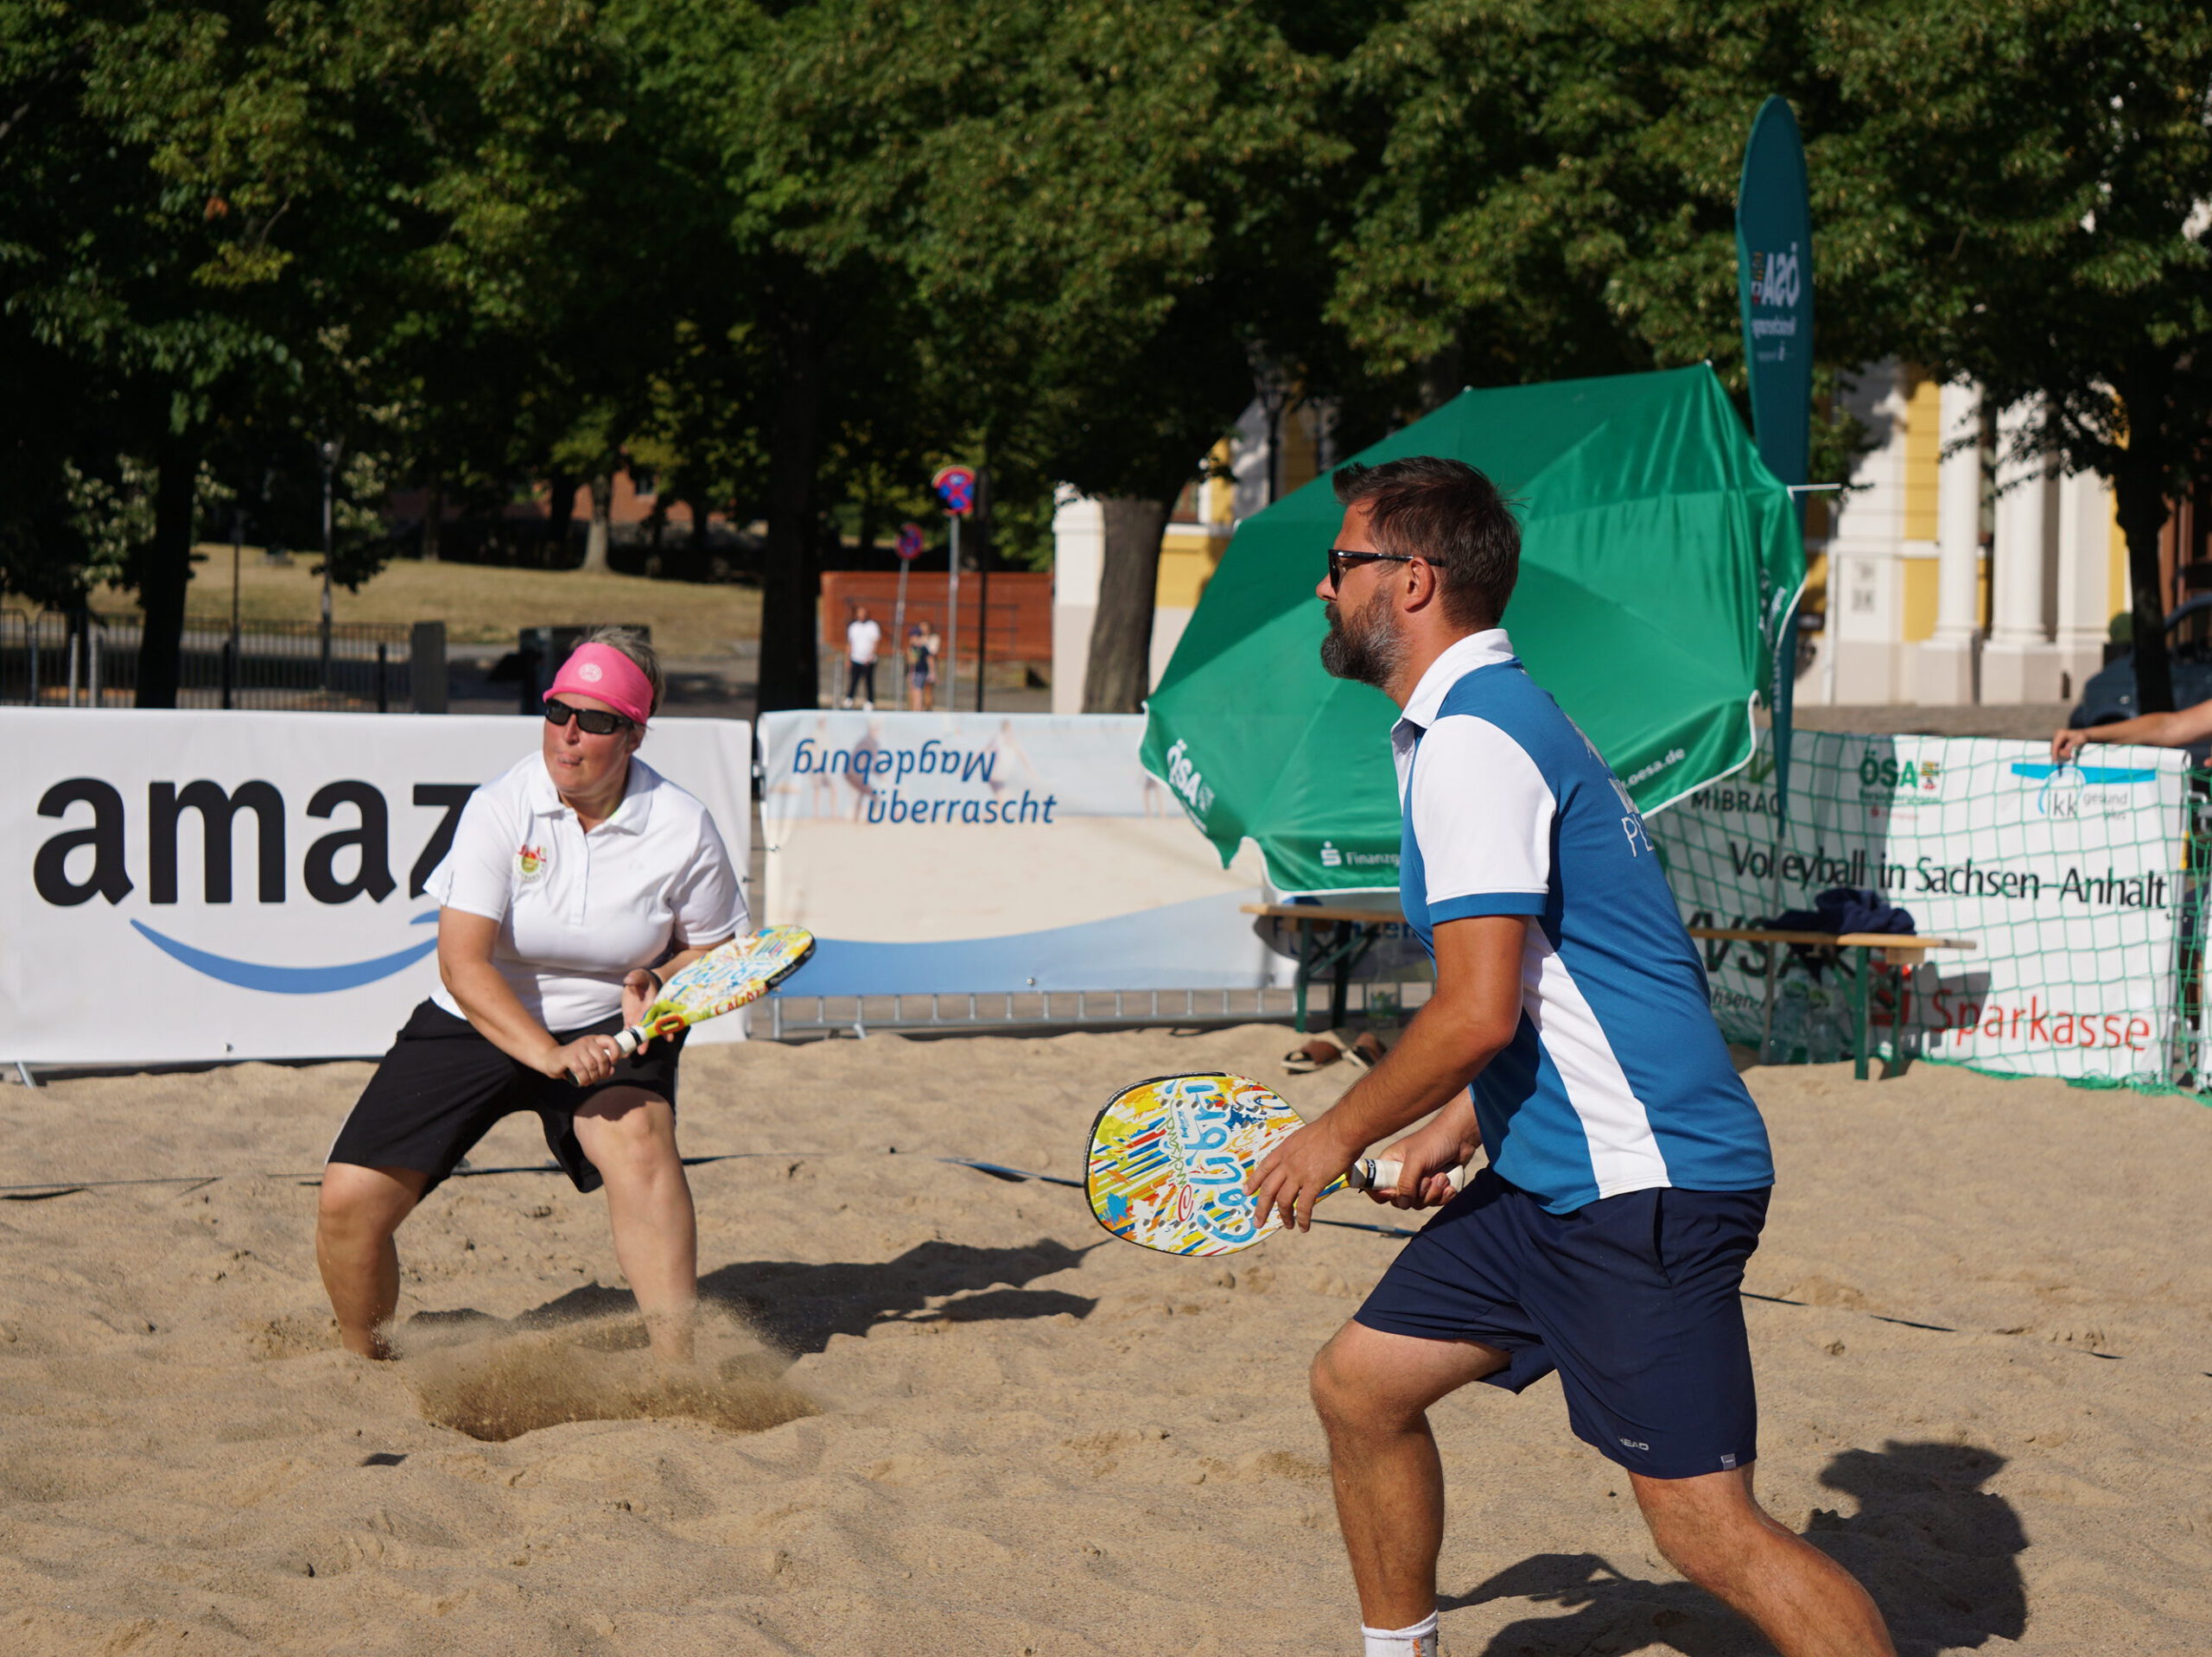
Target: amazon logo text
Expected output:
[88,858]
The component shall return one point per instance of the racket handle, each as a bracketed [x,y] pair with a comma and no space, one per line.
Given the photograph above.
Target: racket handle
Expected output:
[627,1040]
[1370,1174]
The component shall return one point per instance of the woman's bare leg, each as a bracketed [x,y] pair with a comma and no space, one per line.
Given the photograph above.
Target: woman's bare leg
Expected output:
[630,1136]
[355,1217]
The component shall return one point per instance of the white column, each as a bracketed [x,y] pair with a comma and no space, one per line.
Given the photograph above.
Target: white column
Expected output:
[1078,560]
[2084,578]
[1948,664]
[1866,574]
[2021,663]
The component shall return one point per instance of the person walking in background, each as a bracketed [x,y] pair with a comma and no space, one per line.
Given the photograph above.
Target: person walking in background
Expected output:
[921,646]
[862,637]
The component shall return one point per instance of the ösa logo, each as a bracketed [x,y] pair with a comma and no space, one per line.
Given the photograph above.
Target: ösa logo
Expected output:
[1777,278]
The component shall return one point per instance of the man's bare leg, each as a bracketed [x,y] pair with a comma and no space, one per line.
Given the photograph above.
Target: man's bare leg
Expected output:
[630,1136]
[355,1217]
[1713,1531]
[1373,1392]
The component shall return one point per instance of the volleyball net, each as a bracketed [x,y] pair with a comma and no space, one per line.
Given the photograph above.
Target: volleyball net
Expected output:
[2079,886]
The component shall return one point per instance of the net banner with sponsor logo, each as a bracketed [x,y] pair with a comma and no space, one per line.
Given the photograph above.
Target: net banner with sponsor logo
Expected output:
[977,852]
[2069,879]
[197,885]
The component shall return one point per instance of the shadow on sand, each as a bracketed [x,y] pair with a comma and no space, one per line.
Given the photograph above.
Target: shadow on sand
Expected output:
[1940,1555]
[796,1306]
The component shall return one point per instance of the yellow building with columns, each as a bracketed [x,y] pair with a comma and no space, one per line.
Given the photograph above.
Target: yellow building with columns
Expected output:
[1960,574]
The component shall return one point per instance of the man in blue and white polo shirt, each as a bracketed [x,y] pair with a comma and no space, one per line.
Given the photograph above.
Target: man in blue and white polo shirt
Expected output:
[1569,1036]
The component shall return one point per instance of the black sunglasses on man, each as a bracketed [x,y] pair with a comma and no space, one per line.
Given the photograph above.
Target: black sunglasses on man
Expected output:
[1341,559]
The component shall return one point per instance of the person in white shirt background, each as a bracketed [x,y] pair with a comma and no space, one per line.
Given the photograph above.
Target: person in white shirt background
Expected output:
[577,884]
[862,638]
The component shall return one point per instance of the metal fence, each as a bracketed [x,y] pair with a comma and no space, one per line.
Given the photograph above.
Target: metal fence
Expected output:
[791,1017]
[83,659]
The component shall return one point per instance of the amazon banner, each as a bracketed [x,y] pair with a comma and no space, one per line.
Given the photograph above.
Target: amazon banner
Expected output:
[973,852]
[2069,880]
[202,885]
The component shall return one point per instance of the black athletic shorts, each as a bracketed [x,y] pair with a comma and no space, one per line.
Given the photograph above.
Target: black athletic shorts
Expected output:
[443,1085]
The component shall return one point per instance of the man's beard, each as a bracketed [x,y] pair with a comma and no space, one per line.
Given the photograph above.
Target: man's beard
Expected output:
[1371,647]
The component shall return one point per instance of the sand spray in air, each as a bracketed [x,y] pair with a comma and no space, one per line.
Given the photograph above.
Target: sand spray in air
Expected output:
[495,1382]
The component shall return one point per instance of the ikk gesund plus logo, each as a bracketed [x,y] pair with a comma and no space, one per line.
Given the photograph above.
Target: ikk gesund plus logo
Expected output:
[89,857]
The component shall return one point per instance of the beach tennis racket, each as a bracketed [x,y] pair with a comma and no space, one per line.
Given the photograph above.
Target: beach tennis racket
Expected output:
[1169,1157]
[722,980]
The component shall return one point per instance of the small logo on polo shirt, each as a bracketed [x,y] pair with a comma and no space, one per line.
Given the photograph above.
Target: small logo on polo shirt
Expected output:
[530,861]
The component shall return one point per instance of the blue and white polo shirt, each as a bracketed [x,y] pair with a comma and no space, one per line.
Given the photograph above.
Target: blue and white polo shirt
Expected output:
[1618,1079]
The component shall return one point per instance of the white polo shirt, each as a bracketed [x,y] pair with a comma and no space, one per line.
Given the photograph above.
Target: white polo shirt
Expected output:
[861,639]
[579,912]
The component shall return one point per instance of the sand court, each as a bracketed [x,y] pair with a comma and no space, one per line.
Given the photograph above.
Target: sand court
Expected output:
[938,1412]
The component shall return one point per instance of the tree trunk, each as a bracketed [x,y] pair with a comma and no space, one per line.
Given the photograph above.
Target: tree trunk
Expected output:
[168,571]
[699,511]
[560,513]
[2139,489]
[871,509]
[602,523]
[434,519]
[1119,675]
[790,580]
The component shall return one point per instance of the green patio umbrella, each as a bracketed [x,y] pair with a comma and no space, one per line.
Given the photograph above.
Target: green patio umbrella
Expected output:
[1659,559]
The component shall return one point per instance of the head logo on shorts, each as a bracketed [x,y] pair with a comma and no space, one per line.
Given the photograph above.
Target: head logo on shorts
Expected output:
[530,861]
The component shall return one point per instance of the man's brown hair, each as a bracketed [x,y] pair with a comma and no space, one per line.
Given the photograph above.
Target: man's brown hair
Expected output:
[1450,516]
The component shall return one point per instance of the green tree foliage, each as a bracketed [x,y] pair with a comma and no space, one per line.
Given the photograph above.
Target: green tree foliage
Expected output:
[119,314]
[2044,168]
[1548,190]
[793,256]
[1094,210]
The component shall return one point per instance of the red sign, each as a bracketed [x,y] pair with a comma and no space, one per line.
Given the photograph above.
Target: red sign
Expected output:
[955,486]
[910,541]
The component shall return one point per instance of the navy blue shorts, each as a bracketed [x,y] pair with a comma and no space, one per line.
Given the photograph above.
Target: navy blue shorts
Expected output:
[1635,1300]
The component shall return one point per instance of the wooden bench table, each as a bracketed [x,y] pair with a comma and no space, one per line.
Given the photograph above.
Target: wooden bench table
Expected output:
[1334,939]
[1864,945]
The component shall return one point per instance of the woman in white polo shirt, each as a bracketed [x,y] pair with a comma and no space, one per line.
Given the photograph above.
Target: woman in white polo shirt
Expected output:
[576,883]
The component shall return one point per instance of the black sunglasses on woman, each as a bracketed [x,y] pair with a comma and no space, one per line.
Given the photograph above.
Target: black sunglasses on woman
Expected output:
[595,721]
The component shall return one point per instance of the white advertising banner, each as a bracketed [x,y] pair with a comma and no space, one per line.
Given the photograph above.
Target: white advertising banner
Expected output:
[2067,879]
[978,852]
[208,885]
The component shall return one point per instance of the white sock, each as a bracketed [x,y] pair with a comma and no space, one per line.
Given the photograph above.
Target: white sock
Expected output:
[1419,1640]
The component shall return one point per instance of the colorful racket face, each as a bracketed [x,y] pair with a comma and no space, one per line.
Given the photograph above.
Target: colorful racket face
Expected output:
[1169,1158]
[740,972]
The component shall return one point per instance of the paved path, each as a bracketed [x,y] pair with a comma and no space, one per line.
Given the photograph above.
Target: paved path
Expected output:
[2034,721]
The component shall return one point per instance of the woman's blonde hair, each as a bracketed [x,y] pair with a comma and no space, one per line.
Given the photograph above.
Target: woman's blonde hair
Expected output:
[635,646]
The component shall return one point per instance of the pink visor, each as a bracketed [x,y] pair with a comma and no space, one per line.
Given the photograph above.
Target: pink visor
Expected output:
[604,673]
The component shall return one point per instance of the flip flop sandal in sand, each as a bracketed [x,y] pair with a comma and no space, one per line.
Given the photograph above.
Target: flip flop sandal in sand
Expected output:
[1303,1061]
[1359,1056]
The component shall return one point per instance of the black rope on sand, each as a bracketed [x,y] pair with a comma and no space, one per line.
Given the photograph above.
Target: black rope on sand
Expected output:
[1000,1171]
[40,1191]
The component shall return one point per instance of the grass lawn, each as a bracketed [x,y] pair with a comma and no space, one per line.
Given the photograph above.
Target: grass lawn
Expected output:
[479,604]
